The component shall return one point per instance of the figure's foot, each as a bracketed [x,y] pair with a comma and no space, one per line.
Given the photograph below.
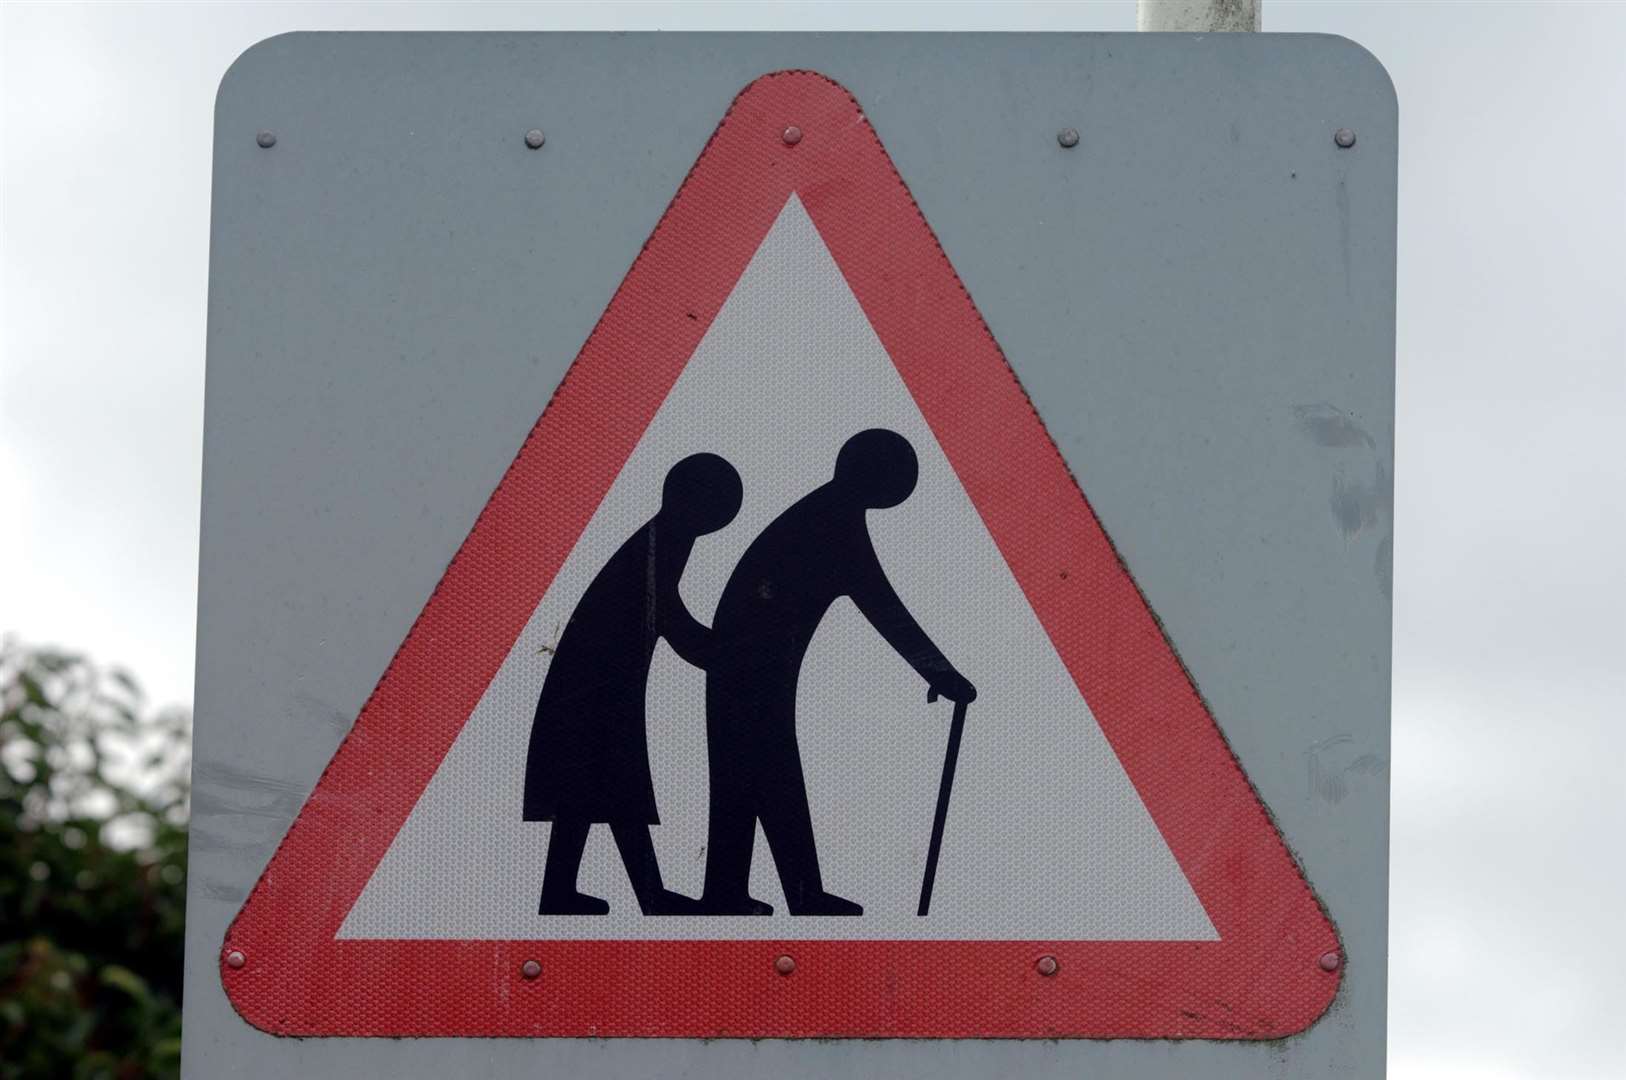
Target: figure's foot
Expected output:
[826,904]
[572,903]
[735,905]
[667,902]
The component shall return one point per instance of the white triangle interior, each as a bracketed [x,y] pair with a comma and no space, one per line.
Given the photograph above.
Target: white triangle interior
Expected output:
[1046,838]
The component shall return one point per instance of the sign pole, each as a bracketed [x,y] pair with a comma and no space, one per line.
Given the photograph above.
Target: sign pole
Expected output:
[1198,16]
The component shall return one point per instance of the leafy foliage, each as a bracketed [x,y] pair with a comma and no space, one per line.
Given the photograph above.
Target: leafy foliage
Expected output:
[93,806]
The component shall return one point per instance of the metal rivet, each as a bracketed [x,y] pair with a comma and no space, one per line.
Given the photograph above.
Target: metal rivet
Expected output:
[1344,137]
[1068,137]
[266,139]
[784,965]
[1047,966]
[530,969]
[236,959]
[1330,961]
[534,138]
[792,135]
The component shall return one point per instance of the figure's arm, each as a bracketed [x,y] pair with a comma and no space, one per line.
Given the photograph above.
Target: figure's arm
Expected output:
[689,637]
[880,604]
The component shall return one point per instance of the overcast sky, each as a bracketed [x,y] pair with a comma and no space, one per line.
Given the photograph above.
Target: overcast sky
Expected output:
[1508,955]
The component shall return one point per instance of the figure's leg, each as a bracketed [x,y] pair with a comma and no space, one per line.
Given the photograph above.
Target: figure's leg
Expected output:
[731,831]
[644,870]
[559,895]
[729,839]
[788,825]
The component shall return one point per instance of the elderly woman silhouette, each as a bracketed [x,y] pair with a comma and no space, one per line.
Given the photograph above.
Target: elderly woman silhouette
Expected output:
[589,754]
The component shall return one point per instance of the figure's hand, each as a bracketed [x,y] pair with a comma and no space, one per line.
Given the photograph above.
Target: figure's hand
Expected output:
[954,686]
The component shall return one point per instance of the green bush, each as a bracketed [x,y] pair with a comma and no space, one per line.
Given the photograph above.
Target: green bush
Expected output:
[93,803]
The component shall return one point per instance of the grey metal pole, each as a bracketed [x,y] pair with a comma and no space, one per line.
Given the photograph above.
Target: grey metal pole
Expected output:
[1198,16]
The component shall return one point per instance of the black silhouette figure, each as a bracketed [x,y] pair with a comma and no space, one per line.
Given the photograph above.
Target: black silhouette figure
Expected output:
[589,751]
[813,553]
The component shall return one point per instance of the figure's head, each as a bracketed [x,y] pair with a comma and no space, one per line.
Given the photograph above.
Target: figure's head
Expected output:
[702,493]
[879,467]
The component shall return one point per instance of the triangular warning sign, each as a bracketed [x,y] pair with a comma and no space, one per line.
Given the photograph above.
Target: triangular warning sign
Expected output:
[677,676]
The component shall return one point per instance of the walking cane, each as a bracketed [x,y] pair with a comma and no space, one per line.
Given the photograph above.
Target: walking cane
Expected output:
[956,729]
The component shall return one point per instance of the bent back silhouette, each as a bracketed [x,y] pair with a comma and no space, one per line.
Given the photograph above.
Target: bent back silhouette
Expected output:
[589,756]
[815,552]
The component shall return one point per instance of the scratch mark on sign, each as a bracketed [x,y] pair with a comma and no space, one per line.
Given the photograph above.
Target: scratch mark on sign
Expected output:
[1343,228]
[222,891]
[1384,565]
[309,705]
[1328,425]
[1331,767]
[1357,505]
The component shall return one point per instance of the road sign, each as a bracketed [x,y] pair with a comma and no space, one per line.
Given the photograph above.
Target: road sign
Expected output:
[904,525]
[663,752]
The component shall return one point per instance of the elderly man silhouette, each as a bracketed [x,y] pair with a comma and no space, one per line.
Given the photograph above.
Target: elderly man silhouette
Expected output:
[589,752]
[815,552]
